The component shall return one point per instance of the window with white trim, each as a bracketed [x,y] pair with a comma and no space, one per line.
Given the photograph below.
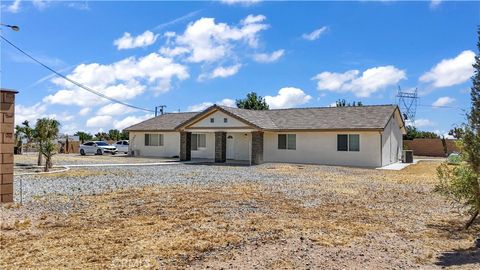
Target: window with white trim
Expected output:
[348,142]
[199,140]
[287,141]
[153,139]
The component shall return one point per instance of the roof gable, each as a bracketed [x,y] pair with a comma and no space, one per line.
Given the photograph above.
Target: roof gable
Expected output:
[220,120]
[211,110]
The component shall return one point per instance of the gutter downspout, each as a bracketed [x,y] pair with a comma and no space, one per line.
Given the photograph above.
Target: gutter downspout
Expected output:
[381,149]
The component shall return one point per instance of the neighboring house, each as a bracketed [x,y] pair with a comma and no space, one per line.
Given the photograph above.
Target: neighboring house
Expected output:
[366,136]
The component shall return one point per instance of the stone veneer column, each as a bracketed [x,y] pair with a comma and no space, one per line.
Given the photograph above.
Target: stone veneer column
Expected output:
[7,107]
[220,147]
[257,147]
[185,146]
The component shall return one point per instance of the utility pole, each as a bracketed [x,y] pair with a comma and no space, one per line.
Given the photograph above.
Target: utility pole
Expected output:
[160,109]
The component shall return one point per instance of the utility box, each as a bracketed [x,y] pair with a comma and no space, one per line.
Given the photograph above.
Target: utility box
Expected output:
[407,156]
[7,140]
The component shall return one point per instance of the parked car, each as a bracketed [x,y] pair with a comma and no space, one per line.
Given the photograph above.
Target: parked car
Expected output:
[97,148]
[122,146]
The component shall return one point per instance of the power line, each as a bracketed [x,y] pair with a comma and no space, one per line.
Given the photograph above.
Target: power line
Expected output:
[74,82]
[446,107]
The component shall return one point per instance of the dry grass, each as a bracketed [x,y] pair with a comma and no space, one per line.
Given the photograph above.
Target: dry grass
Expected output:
[176,226]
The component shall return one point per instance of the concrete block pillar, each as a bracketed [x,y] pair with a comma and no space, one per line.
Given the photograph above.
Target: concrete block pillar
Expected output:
[257,147]
[7,140]
[185,146]
[220,147]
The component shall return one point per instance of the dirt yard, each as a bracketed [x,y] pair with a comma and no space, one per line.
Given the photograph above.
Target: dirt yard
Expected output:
[300,217]
[69,159]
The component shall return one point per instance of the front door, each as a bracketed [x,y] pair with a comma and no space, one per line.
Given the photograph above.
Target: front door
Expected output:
[230,147]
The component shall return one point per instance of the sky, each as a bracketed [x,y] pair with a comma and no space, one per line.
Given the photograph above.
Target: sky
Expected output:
[190,55]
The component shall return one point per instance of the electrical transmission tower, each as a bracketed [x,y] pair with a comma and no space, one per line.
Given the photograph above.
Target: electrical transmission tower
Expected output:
[408,101]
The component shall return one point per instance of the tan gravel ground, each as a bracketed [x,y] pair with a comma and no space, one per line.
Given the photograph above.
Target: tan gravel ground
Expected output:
[327,218]
[69,159]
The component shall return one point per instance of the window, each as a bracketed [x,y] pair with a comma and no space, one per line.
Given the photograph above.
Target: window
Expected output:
[342,142]
[287,141]
[212,120]
[354,142]
[199,141]
[348,142]
[153,139]
[225,120]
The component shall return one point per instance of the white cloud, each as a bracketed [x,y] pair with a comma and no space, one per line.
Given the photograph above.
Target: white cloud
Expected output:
[287,97]
[360,84]
[423,122]
[315,34]
[451,71]
[36,111]
[40,4]
[241,2]
[251,19]
[30,113]
[122,80]
[84,111]
[130,120]
[100,121]
[443,101]
[221,72]
[129,42]
[14,7]
[207,41]
[435,3]
[113,109]
[202,106]
[268,58]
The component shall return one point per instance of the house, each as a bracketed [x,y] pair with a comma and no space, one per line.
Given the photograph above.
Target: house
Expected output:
[366,136]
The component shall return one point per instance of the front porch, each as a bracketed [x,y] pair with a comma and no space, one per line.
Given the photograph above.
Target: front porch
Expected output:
[222,146]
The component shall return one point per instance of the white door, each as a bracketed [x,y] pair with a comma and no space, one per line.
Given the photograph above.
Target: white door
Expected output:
[230,147]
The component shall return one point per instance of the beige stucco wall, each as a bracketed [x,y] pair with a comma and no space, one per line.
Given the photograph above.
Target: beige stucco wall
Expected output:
[219,116]
[209,151]
[170,148]
[392,142]
[321,148]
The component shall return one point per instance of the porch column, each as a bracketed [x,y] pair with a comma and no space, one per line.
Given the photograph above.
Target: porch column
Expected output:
[185,146]
[257,147]
[220,147]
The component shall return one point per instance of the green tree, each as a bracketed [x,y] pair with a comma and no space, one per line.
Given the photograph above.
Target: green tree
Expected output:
[124,135]
[344,103]
[46,130]
[414,133]
[252,102]
[25,132]
[114,134]
[456,132]
[462,183]
[101,136]
[83,136]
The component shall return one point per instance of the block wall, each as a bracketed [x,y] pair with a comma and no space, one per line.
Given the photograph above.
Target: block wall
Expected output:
[7,139]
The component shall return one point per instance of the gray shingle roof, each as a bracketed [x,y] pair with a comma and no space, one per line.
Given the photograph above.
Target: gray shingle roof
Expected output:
[166,122]
[325,118]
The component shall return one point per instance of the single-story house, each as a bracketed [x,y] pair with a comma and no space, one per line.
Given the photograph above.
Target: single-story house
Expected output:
[365,136]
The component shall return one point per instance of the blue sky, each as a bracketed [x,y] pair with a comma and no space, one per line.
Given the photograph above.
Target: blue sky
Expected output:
[188,55]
